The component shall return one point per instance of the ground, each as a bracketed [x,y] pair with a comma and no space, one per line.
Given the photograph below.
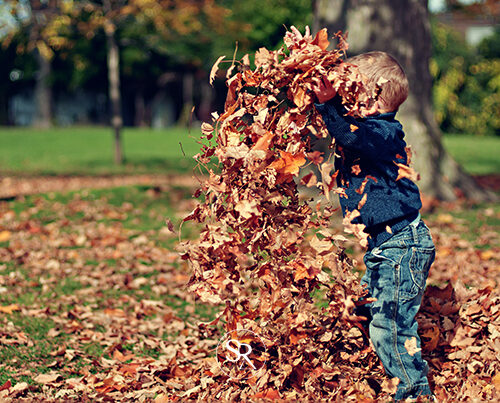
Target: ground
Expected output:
[92,303]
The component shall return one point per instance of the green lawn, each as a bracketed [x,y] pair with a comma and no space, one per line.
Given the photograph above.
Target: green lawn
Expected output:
[89,150]
[478,155]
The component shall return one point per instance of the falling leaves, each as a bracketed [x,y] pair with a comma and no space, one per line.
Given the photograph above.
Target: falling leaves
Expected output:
[256,251]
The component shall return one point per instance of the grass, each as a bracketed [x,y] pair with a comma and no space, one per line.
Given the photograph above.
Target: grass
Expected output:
[89,150]
[478,155]
[68,289]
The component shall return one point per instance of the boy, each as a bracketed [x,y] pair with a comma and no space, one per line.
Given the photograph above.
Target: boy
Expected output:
[400,247]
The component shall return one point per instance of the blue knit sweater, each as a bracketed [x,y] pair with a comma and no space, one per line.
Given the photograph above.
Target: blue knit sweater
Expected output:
[367,150]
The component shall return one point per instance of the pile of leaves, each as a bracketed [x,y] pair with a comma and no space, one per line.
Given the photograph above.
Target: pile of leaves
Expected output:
[264,253]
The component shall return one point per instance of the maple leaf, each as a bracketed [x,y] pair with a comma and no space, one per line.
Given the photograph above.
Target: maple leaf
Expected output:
[288,163]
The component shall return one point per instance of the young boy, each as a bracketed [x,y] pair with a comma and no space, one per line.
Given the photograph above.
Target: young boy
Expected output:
[400,247]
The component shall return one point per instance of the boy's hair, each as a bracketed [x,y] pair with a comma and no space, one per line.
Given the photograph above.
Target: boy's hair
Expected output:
[378,67]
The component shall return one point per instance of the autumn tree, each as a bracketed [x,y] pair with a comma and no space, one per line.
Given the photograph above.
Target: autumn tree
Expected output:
[43,24]
[402,28]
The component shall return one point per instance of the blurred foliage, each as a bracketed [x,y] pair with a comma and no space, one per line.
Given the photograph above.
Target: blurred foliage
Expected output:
[466,90]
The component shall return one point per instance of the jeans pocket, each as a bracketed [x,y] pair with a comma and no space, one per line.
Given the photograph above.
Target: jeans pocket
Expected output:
[414,271]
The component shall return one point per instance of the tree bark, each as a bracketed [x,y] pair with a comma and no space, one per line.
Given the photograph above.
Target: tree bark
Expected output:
[187,99]
[114,93]
[43,93]
[402,28]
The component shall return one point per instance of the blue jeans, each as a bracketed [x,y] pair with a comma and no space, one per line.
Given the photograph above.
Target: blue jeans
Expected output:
[396,272]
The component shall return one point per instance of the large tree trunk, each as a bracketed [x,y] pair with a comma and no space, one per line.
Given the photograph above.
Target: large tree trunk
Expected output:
[43,93]
[114,93]
[402,28]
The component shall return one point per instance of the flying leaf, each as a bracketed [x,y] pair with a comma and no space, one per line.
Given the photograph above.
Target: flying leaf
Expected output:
[215,68]
[406,172]
[288,163]
[321,39]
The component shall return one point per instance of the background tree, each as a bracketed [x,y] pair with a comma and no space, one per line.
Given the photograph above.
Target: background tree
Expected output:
[37,26]
[402,28]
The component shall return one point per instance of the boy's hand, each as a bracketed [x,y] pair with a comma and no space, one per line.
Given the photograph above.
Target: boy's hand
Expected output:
[323,89]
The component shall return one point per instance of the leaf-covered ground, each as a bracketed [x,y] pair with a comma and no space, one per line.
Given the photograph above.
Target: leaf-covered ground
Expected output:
[92,304]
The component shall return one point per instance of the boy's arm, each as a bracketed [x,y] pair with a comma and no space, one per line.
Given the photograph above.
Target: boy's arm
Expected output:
[350,133]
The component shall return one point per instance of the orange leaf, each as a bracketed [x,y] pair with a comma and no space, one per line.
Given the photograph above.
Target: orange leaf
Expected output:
[4,236]
[362,201]
[495,380]
[295,336]
[8,309]
[288,163]
[119,356]
[433,335]
[129,369]
[355,169]
[406,172]
[269,393]
[321,39]
[353,128]
[263,142]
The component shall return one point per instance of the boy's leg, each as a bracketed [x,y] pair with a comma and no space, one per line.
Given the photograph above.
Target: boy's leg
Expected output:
[398,271]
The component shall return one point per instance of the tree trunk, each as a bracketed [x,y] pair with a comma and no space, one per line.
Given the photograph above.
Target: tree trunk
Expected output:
[43,93]
[114,93]
[206,99]
[140,109]
[187,99]
[402,28]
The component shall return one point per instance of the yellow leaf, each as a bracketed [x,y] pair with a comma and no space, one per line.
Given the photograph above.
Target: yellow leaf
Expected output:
[4,236]
[8,309]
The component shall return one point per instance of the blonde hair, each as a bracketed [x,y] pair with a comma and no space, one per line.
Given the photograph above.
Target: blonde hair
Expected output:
[383,69]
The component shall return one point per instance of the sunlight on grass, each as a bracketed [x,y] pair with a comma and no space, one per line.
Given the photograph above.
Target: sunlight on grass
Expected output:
[89,150]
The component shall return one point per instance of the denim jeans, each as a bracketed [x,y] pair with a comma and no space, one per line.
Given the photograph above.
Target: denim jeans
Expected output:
[396,272]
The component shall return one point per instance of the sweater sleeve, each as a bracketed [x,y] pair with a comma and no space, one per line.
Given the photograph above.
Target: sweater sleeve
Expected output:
[371,137]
